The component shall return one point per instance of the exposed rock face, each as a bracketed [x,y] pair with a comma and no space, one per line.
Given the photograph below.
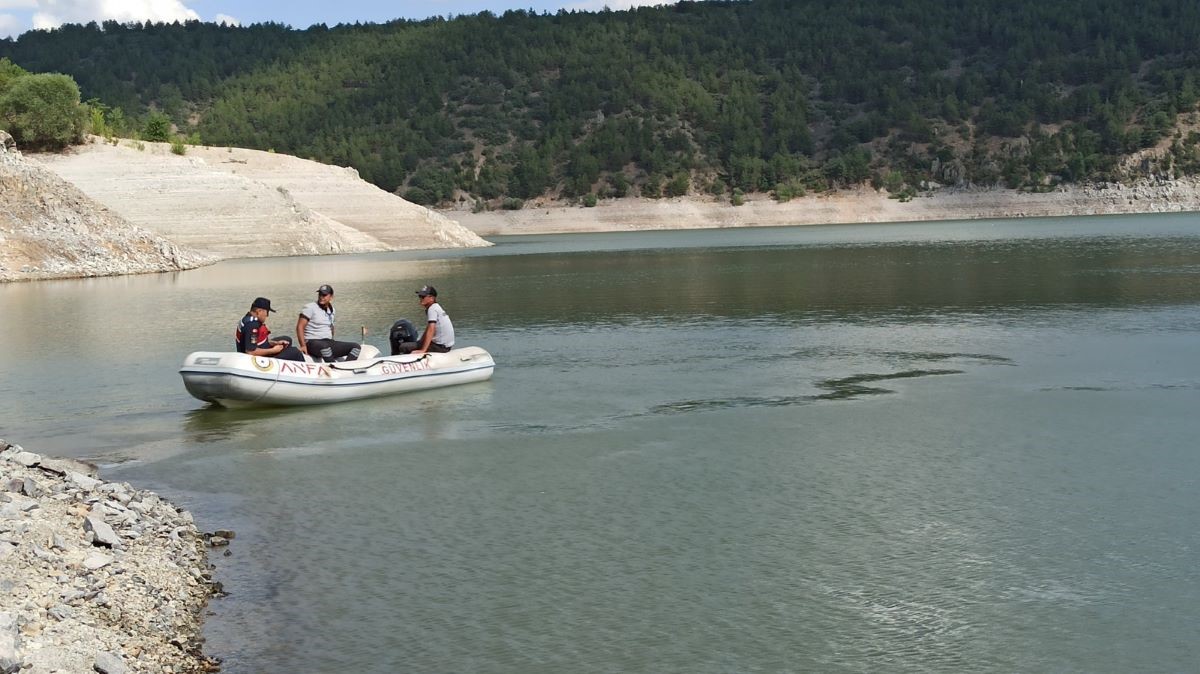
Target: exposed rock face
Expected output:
[49,229]
[245,203]
[70,602]
[342,195]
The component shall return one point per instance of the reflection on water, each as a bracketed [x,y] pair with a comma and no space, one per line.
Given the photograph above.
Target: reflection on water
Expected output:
[700,452]
[845,388]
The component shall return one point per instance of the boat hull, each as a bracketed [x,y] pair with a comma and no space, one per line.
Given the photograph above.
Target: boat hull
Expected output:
[238,380]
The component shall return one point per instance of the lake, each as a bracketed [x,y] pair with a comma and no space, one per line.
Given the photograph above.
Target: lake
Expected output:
[960,447]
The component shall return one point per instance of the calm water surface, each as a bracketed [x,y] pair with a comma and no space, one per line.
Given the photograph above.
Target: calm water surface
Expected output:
[950,447]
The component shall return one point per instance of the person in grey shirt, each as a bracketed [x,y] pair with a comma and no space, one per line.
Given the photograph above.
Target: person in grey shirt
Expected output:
[315,330]
[439,331]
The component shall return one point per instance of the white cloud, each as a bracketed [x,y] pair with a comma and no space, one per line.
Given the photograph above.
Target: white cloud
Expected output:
[226,20]
[18,4]
[615,5]
[53,13]
[10,26]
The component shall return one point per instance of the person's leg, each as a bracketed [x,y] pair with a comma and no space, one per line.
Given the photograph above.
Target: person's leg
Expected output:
[321,349]
[346,350]
[434,347]
[290,353]
[401,348]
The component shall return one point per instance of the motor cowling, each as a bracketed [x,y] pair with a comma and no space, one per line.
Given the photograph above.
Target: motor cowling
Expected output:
[402,331]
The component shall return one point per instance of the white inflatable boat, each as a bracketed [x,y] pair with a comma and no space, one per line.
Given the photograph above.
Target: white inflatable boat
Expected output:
[237,380]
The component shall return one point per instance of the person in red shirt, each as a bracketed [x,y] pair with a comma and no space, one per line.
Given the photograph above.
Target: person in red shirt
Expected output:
[254,337]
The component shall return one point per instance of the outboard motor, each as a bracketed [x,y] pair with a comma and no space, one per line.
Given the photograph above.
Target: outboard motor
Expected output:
[402,331]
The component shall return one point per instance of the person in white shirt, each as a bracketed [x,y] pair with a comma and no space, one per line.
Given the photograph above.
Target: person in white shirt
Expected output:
[439,331]
[315,330]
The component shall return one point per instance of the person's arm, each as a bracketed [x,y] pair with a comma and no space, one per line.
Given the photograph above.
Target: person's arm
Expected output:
[300,324]
[270,351]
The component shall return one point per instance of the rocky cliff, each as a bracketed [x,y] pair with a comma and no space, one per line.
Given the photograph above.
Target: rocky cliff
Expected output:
[50,229]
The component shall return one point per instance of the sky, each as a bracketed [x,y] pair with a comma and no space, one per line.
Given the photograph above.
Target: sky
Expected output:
[18,16]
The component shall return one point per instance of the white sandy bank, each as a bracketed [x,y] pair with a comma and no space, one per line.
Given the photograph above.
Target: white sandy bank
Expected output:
[245,203]
[860,205]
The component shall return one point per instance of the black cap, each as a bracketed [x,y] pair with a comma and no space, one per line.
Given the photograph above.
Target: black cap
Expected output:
[325,290]
[261,303]
[427,290]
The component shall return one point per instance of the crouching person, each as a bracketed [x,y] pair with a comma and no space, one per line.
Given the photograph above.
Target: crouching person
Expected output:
[254,337]
[315,330]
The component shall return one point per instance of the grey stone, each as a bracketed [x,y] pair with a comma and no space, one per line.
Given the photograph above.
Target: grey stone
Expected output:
[61,467]
[83,481]
[225,533]
[61,611]
[17,505]
[30,488]
[42,554]
[27,459]
[109,663]
[69,597]
[10,644]
[102,533]
[97,561]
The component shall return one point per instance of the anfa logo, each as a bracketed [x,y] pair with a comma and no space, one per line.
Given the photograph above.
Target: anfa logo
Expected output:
[264,364]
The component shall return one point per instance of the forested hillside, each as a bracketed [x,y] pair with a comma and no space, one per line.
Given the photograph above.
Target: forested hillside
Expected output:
[781,96]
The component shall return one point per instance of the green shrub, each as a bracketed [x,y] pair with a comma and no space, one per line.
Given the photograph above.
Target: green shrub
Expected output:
[789,190]
[96,122]
[157,128]
[678,186]
[9,71]
[652,188]
[738,197]
[513,204]
[589,200]
[43,111]
[177,146]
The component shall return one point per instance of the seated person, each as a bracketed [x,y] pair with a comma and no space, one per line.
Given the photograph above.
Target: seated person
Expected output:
[315,330]
[439,331]
[254,338]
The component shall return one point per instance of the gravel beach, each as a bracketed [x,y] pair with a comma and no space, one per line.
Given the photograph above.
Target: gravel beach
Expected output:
[96,576]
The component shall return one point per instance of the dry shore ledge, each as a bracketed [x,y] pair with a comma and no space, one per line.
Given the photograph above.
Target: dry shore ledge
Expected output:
[860,205]
[96,576]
